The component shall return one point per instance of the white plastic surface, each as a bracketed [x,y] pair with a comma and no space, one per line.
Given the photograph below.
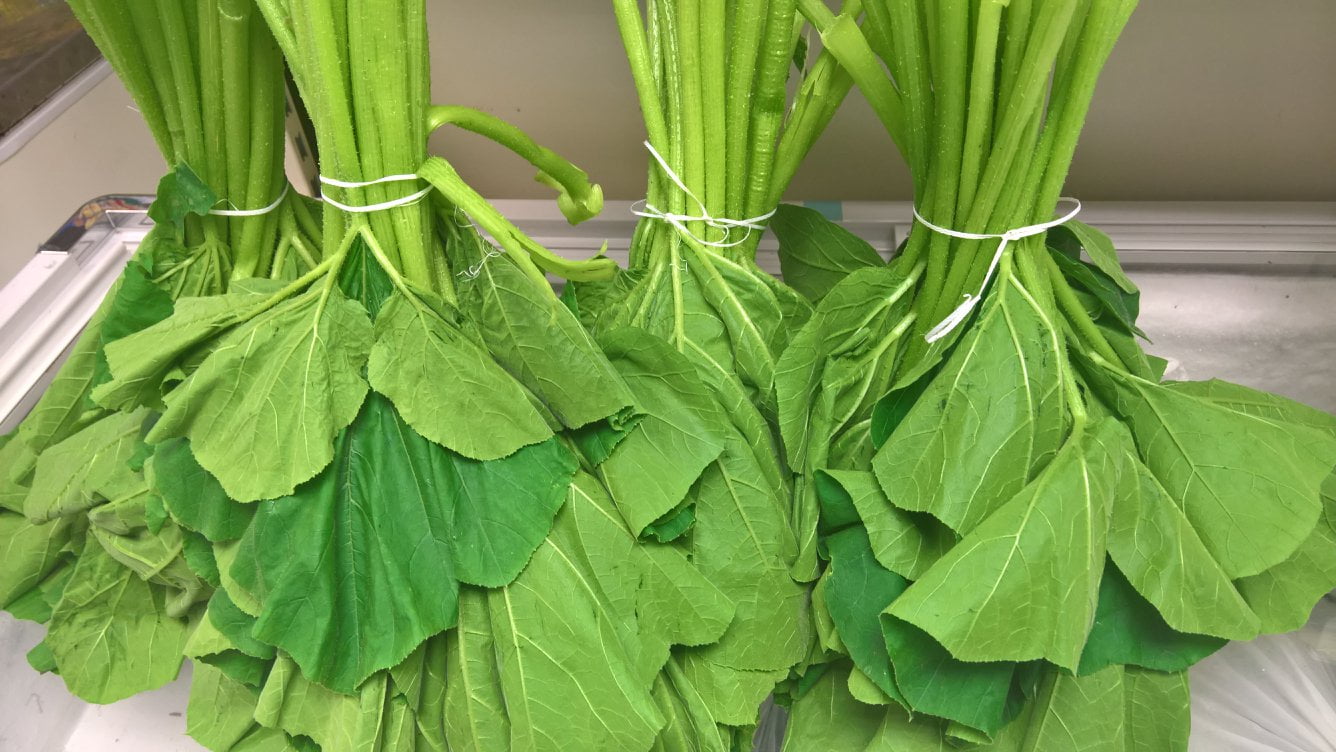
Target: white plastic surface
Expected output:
[1274,694]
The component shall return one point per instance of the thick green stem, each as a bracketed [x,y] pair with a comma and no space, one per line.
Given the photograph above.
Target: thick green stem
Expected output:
[747,28]
[579,199]
[769,95]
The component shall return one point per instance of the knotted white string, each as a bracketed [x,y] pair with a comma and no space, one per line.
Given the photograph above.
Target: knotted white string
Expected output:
[678,221]
[953,320]
[411,198]
[251,212]
[473,271]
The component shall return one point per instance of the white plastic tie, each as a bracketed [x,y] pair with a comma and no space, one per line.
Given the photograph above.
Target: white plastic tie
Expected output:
[679,221]
[234,212]
[962,311]
[411,198]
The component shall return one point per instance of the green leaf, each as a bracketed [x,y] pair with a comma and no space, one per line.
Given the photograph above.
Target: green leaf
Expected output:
[672,526]
[1258,403]
[1028,575]
[410,520]
[906,543]
[445,385]
[193,496]
[733,697]
[198,553]
[237,626]
[181,193]
[745,324]
[1157,548]
[1157,709]
[837,504]
[64,407]
[1284,595]
[288,381]
[689,721]
[1068,713]
[827,717]
[1128,630]
[673,600]
[541,343]
[570,649]
[17,462]
[82,470]
[155,513]
[221,712]
[1248,484]
[744,544]
[223,639]
[136,303]
[1099,248]
[984,426]
[891,410]
[42,660]
[367,719]
[30,553]
[140,362]
[652,469]
[854,329]
[815,253]
[110,632]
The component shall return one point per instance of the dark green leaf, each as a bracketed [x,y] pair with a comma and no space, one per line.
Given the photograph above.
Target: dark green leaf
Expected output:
[935,683]
[673,525]
[1097,245]
[1121,306]
[181,192]
[362,279]
[42,660]
[193,496]
[407,520]
[1128,630]
[857,591]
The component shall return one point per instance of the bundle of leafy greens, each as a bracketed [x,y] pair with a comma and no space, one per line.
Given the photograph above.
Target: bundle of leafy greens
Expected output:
[88,546]
[703,469]
[1030,535]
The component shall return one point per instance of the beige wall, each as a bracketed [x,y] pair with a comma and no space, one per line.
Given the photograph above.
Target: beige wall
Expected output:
[96,147]
[1204,100]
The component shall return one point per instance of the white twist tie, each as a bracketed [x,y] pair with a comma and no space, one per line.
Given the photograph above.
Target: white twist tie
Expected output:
[962,311]
[235,212]
[678,221]
[411,198]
